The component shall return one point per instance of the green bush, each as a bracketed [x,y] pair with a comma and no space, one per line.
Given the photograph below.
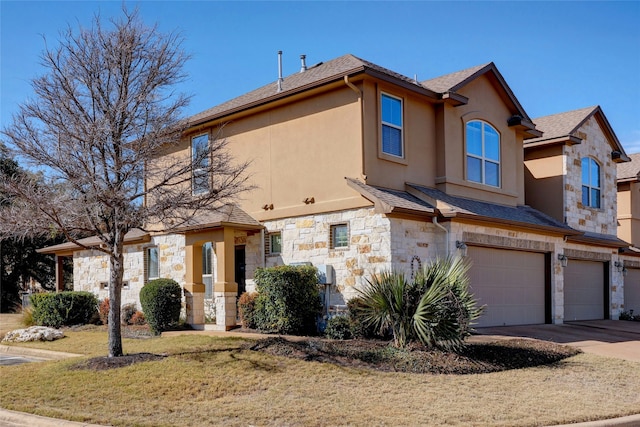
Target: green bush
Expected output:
[288,299]
[161,302]
[64,308]
[357,320]
[436,308]
[338,328]
[247,309]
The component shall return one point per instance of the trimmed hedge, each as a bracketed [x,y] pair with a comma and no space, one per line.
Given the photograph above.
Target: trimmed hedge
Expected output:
[247,309]
[288,299]
[161,302]
[64,308]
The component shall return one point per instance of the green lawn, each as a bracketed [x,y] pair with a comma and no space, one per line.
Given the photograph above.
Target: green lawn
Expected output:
[214,381]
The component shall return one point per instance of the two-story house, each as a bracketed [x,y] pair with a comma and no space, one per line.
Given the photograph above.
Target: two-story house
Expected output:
[629,228]
[362,169]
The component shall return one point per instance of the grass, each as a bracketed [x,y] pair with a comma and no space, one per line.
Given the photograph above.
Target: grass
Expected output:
[217,381]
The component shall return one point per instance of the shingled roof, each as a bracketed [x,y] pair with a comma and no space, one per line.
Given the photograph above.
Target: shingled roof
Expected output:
[315,75]
[459,207]
[391,201]
[565,126]
[630,171]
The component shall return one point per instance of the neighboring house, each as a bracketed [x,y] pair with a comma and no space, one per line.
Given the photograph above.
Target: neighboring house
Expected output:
[359,169]
[629,228]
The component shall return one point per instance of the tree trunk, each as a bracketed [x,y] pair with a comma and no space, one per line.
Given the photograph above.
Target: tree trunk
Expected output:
[115,298]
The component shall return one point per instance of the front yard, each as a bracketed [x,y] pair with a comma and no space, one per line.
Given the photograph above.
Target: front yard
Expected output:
[205,380]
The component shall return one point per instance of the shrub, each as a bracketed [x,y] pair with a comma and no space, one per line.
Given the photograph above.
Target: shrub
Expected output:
[288,299]
[103,311]
[27,316]
[626,315]
[338,328]
[64,308]
[126,312]
[161,302]
[357,320]
[246,309]
[137,318]
[435,309]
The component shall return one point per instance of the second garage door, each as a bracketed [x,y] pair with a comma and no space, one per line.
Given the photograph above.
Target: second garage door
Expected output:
[584,290]
[632,290]
[510,283]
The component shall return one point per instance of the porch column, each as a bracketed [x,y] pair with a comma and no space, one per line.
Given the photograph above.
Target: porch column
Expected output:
[194,288]
[225,289]
[59,273]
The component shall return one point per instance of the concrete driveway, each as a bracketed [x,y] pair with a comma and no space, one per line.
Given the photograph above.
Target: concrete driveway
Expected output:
[610,338]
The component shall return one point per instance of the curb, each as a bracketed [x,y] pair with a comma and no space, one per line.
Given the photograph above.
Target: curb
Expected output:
[628,421]
[10,418]
[36,352]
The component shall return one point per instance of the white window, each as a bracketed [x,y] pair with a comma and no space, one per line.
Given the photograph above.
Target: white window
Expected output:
[273,243]
[391,115]
[152,266]
[200,182]
[483,153]
[339,237]
[590,183]
[207,269]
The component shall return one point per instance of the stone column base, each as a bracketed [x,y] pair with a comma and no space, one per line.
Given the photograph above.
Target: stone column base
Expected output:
[194,299]
[225,310]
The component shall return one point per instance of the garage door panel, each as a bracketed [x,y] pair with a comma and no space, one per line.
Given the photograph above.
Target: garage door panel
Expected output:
[510,283]
[583,290]
[632,290]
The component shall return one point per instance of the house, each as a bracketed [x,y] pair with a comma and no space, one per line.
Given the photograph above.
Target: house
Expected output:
[359,169]
[629,229]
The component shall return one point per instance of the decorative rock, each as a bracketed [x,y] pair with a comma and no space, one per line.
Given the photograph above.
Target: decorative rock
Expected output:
[34,333]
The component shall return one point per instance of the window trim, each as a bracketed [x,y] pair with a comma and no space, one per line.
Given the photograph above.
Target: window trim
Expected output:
[332,242]
[392,156]
[268,243]
[588,185]
[483,158]
[194,171]
[147,277]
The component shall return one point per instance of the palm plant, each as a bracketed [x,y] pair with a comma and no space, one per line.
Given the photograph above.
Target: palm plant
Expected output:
[436,308]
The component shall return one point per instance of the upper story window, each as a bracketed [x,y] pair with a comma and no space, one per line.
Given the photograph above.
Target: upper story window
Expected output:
[391,114]
[200,164]
[483,153]
[590,183]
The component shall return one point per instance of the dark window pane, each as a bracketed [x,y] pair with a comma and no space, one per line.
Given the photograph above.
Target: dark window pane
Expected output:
[391,140]
[391,110]
[492,174]
[585,195]
[595,198]
[276,243]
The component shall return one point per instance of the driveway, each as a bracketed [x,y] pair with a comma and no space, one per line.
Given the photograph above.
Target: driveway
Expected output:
[611,338]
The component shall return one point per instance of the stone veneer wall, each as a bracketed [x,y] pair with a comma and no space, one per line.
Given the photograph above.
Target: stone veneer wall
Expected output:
[91,267]
[594,144]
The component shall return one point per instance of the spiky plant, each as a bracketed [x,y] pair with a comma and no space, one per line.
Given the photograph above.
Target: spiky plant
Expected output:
[436,308]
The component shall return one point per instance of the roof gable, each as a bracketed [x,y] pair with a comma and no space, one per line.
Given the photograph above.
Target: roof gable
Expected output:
[564,127]
[630,171]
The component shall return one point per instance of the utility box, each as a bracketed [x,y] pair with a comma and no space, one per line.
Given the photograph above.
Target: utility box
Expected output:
[325,274]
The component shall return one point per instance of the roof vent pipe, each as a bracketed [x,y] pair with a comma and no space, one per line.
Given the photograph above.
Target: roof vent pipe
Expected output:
[303,65]
[280,79]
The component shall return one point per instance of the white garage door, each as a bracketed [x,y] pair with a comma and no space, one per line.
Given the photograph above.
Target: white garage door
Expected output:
[632,290]
[510,283]
[583,290]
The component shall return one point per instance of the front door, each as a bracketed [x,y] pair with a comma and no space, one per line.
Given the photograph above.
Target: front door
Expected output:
[240,269]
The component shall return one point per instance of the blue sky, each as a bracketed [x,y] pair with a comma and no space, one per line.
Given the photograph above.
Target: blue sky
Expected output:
[555,56]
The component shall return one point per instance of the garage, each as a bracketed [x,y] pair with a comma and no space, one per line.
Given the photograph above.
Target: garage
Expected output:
[632,290]
[584,290]
[510,283]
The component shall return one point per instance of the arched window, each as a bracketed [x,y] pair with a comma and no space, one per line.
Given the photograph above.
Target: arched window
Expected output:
[590,183]
[483,153]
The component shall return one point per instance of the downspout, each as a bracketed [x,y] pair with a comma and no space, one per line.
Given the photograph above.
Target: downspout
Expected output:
[440,226]
[359,93]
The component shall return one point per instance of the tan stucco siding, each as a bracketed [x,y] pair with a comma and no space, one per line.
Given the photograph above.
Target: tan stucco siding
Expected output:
[485,104]
[629,212]
[544,180]
[418,163]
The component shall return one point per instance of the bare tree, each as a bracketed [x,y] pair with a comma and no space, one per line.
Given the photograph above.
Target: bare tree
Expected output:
[104,127]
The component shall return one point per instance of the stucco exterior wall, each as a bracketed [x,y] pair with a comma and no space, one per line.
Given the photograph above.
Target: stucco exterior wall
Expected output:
[595,145]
